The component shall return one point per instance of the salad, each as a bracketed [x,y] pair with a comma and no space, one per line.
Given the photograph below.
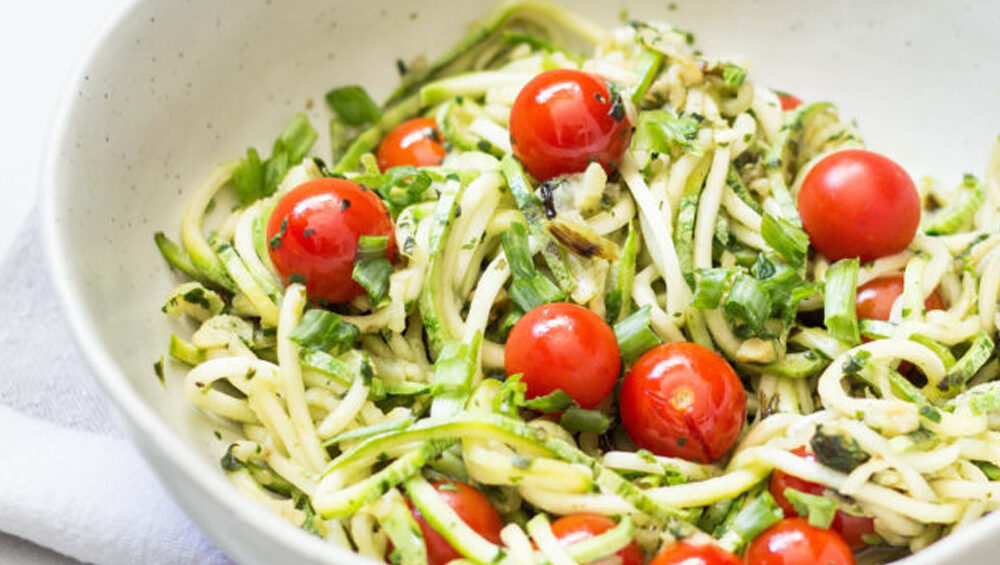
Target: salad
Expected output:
[578,295]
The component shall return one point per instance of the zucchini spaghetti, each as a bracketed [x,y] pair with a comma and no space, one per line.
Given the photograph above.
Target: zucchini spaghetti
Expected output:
[573,294]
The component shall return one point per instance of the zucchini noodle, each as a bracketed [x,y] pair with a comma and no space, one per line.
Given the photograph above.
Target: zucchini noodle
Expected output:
[336,434]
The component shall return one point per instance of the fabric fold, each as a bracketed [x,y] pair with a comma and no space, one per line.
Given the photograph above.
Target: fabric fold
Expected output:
[68,481]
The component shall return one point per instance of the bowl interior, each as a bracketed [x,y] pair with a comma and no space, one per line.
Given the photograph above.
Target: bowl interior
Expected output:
[174,88]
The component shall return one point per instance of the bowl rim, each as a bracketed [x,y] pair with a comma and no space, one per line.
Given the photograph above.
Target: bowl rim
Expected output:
[115,384]
[112,379]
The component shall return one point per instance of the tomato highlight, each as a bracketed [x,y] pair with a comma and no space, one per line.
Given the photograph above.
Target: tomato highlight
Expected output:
[564,119]
[855,203]
[313,235]
[415,142]
[793,541]
[683,400]
[564,347]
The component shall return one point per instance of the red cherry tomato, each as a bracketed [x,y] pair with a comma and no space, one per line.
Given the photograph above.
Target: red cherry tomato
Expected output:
[856,203]
[781,480]
[687,554]
[789,101]
[852,528]
[875,298]
[682,400]
[313,235]
[564,346]
[562,120]
[472,507]
[793,541]
[415,142]
[578,527]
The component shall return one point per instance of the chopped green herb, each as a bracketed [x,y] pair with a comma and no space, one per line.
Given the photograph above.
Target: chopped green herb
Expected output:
[255,179]
[635,336]
[529,288]
[229,461]
[837,451]
[748,305]
[787,239]
[556,401]
[372,267]
[733,75]
[576,419]
[661,131]
[324,330]
[158,369]
[991,471]
[819,510]
[840,297]
[353,105]
[710,285]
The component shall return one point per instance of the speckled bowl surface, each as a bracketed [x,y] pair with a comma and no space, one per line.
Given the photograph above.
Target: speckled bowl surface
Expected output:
[173,87]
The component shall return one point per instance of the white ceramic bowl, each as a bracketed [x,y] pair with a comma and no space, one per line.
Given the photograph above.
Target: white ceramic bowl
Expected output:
[172,88]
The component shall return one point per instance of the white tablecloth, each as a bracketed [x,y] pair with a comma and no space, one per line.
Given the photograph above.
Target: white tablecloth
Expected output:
[50,409]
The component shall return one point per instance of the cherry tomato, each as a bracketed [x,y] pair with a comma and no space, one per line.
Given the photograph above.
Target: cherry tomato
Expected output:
[562,120]
[564,346]
[688,554]
[875,298]
[856,203]
[578,527]
[313,235]
[781,480]
[849,526]
[793,541]
[789,101]
[853,529]
[682,400]
[472,507]
[415,142]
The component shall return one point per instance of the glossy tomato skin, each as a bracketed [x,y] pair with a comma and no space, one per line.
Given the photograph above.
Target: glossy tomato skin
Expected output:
[683,400]
[415,142]
[793,541]
[313,235]
[781,480]
[578,527]
[789,101]
[564,346]
[855,203]
[471,506]
[875,298]
[688,554]
[562,120]
[851,528]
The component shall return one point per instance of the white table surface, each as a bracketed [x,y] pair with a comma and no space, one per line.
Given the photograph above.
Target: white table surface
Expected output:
[40,42]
